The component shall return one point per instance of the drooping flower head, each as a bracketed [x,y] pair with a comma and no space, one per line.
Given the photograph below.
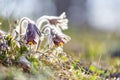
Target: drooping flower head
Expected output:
[55,37]
[30,34]
[60,22]
[53,29]
[59,38]
[31,31]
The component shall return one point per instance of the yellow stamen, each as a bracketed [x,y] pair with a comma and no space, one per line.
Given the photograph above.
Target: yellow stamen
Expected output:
[30,43]
[60,43]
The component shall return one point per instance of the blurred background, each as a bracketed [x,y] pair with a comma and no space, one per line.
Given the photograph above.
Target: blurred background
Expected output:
[94,25]
[99,14]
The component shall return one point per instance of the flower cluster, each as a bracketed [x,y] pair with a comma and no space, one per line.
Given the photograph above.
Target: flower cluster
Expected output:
[46,27]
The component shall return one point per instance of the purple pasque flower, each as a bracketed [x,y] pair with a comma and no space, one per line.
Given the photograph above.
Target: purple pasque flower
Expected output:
[56,38]
[31,32]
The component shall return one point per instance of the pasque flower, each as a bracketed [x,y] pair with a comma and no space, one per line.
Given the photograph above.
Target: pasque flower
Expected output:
[31,31]
[53,29]
[60,22]
[59,38]
[30,34]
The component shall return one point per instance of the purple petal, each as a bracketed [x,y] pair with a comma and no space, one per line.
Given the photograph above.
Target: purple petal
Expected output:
[37,30]
[30,32]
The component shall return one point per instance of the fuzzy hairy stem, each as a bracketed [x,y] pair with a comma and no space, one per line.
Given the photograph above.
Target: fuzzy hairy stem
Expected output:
[40,22]
[20,23]
[38,45]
